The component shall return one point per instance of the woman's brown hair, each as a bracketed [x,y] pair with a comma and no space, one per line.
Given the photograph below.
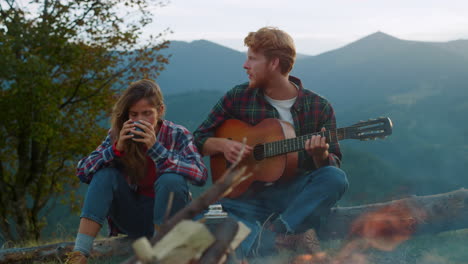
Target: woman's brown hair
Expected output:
[134,159]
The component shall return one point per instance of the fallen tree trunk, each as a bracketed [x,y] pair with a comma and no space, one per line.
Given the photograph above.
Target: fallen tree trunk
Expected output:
[101,248]
[419,215]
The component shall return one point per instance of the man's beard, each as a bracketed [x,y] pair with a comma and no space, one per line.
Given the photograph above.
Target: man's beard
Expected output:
[258,83]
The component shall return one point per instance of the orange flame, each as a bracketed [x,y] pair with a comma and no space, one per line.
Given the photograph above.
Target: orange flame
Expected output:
[386,228]
[320,257]
[382,229]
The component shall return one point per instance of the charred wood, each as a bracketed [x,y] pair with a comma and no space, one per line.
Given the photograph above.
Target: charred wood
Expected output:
[414,215]
[224,235]
[101,248]
[409,216]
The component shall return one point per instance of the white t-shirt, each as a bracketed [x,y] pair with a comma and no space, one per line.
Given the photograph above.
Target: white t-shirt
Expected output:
[283,107]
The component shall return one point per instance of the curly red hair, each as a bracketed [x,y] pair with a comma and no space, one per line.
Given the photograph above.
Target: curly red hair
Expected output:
[273,43]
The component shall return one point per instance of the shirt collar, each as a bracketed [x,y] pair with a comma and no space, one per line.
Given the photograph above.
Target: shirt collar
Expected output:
[300,93]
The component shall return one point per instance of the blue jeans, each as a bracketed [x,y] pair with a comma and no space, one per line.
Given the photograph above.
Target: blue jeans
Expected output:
[134,214]
[299,205]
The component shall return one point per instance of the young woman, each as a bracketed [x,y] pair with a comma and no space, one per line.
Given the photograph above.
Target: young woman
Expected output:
[131,174]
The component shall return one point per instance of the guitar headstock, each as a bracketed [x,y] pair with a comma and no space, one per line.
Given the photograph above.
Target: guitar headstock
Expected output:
[370,129]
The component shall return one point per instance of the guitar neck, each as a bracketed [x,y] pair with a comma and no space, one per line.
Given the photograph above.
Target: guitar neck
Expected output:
[284,146]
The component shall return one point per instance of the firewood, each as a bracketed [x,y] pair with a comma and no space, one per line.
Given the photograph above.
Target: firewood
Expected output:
[225,233]
[242,232]
[144,250]
[218,190]
[101,248]
[442,212]
[187,240]
[429,214]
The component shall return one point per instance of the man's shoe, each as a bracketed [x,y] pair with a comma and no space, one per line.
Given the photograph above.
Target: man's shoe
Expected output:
[76,257]
[307,241]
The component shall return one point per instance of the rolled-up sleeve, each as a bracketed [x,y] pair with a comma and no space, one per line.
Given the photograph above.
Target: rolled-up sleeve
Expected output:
[182,157]
[99,158]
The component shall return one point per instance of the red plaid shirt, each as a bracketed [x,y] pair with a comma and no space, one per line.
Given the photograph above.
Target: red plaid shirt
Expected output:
[310,113]
[173,152]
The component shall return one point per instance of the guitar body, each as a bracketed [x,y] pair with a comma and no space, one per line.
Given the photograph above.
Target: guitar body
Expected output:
[275,146]
[266,170]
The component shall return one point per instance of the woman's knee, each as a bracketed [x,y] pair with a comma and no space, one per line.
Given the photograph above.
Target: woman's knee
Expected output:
[106,176]
[171,181]
[106,172]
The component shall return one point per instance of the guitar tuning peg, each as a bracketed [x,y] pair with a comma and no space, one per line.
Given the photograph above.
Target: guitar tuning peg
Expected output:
[361,121]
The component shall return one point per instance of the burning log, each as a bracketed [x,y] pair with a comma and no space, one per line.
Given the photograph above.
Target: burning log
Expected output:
[384,226]
[417,215]
[318,258]
[413,215]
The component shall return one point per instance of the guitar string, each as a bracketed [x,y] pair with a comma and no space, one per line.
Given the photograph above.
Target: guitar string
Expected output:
[296,144]
[276,148]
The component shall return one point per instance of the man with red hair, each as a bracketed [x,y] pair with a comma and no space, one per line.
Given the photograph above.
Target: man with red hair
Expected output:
[290,211]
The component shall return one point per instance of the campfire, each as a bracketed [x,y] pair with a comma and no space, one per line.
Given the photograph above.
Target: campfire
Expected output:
[382,229]
[363,230]
[380,226]
[386,228]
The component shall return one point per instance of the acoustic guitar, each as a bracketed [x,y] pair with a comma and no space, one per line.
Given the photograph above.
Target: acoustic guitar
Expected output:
[275,147]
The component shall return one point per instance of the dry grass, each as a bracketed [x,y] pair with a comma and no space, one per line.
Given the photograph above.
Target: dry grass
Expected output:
[444,248]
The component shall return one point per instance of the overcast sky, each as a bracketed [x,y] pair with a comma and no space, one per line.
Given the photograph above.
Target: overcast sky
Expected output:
[315,25]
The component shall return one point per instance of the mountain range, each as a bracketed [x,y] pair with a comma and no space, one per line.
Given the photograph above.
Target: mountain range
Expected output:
[204,65]
[421,86]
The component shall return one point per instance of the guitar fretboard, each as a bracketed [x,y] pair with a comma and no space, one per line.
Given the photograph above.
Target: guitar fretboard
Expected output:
[280,147]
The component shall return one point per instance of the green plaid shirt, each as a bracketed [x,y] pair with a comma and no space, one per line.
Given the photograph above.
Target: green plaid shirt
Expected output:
[310,113]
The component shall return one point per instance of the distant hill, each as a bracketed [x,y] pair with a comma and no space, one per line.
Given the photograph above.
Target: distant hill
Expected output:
[382,68]
[422,86]
[362,67]
[201,65]
[459,47]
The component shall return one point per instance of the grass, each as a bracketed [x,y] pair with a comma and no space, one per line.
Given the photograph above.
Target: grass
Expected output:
[448,247]
[113,260]
[443,248]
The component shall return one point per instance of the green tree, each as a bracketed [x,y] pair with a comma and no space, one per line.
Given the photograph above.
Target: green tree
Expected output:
[61,63]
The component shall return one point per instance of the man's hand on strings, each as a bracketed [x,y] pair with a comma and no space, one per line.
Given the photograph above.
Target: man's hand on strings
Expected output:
[317,148]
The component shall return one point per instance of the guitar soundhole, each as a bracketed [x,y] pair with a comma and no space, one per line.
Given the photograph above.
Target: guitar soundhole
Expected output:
[259,152]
